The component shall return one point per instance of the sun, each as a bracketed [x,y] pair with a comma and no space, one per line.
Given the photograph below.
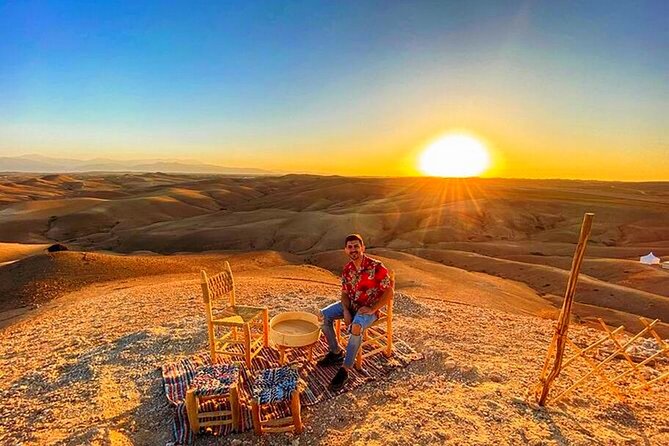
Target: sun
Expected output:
[455,155]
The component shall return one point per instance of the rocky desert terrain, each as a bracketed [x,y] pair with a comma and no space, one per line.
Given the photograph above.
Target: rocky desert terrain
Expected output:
[481,267]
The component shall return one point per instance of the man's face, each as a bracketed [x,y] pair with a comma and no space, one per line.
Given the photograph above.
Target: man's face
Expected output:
[354,249]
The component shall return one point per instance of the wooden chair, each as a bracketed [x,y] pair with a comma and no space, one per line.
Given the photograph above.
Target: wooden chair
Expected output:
[274,386]
[212,389]
[223,324]
[380,341]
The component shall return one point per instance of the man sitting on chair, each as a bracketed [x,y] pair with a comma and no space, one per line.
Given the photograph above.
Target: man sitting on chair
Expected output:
[366,288]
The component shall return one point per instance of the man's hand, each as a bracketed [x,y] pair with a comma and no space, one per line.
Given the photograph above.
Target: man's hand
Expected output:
[347,317]
[366,310]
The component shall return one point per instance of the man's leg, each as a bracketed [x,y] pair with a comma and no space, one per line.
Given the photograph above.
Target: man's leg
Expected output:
[330,314]
[360,323]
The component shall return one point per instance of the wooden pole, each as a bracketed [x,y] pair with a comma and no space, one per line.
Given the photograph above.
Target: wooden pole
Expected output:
[207,311]
[565,314]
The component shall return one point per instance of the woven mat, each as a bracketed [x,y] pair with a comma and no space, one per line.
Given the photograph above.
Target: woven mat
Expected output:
[177,376]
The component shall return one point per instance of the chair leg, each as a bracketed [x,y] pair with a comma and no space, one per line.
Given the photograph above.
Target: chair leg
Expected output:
[234,408]
[257,424]
[265,327]
[389,333]
[295,409]
[358,358]
[338,331]
[282,355]
[191,410]
[247,345]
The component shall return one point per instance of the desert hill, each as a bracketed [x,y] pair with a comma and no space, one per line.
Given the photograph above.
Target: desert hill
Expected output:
[519,230]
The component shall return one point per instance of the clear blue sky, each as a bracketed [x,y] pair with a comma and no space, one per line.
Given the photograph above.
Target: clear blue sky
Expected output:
[278,84]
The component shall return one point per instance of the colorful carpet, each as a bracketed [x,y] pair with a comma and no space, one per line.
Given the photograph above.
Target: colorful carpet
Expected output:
[178,375]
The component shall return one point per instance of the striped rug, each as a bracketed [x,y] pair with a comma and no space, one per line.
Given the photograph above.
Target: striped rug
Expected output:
[177,376]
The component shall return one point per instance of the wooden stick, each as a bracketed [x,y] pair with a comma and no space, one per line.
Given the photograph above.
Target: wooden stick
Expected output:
[565,312]
[279,422]
[592,346]
[277,430]
[657,337]
[215,423]
[213,414]
[652,381]
[644,362]
[600,373]
[622,350]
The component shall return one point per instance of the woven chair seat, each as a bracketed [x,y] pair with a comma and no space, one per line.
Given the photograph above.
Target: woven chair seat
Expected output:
[216,379]
[274,385]
[239,316]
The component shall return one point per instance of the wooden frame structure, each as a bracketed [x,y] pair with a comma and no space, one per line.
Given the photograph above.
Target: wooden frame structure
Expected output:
[198,419]
[598,368]
[291,423]
[223,326]
[560,341]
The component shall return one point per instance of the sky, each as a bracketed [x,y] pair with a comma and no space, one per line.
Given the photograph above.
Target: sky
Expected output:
[554,89]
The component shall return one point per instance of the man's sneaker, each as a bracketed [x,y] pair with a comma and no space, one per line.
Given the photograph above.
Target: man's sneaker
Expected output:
[339,380]
[331,359]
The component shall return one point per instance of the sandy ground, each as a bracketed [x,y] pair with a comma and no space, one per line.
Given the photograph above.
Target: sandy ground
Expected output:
[84,369]
[481,267]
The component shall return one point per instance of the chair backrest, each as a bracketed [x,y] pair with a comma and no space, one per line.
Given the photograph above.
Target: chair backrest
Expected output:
[388,307]
[219,286]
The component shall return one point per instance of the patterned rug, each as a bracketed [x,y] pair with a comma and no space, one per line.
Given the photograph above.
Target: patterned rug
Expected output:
[177,376]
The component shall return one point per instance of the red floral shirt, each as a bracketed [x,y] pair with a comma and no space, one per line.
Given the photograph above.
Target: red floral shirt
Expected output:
[364,287]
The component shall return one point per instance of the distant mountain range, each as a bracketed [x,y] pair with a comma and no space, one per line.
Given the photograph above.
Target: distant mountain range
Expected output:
[43,164]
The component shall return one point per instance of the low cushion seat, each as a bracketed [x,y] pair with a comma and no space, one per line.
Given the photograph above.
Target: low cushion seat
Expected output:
[274,385]
[215,379]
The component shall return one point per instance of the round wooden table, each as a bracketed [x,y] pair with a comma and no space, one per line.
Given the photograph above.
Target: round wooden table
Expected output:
[294,329]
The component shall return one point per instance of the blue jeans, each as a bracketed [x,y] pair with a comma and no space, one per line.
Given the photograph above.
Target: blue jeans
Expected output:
[336,311]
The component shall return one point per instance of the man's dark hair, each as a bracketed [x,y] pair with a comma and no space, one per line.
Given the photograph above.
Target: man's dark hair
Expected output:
[351,237]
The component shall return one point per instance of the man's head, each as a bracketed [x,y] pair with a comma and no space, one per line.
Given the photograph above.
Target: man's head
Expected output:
[354,247]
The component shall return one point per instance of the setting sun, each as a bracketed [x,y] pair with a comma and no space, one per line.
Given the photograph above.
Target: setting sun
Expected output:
[455,155]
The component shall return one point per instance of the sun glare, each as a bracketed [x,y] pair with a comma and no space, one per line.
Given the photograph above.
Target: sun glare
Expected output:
[455,155]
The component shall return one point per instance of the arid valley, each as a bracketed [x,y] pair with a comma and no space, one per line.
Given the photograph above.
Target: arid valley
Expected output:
[481,268]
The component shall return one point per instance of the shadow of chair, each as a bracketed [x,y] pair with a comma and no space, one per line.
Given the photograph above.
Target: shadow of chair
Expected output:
[226,319]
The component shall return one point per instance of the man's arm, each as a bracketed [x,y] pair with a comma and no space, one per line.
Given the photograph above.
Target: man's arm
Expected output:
[384,299]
